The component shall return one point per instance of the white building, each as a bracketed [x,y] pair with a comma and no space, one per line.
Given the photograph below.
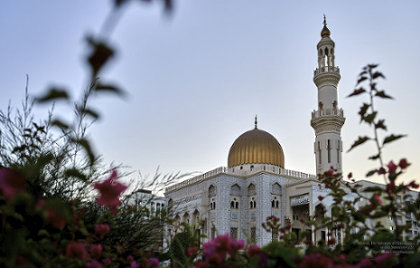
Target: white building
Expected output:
[238,198]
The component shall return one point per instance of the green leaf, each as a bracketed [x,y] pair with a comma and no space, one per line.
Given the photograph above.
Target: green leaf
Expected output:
[361,79]
[53,94]
[374,157]
[370,117]
[43,160]
[372,66]
[108,88]
[73,172]
[60,124]
[371,172]
[392,138]
[383,95]
[377,74]
[86,146]
[363,110]
[101,54]
[91,113]
[379,214]
[358,142]
[380,124]
[357,91]
[87,111]
[168,6]
[39,128]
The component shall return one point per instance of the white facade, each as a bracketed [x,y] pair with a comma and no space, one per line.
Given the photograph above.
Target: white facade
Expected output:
[237,199]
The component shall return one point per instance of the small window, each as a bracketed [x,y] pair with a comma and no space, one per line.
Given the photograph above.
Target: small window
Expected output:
[234,233]
[253,235]
[329,151]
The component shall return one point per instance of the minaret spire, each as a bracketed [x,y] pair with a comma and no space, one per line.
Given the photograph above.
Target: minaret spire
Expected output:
[328,119]
[256,122]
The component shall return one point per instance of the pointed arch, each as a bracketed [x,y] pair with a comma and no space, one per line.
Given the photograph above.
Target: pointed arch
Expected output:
[251,189]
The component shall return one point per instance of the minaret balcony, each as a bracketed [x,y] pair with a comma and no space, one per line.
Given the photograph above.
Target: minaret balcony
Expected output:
[327,69]
[327,75]
[327,112]
[327,120]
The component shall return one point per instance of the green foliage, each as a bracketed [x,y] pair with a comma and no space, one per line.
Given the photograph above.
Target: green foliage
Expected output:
[179,245]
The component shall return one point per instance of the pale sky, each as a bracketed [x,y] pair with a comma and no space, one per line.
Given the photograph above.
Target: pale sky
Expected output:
[196,80]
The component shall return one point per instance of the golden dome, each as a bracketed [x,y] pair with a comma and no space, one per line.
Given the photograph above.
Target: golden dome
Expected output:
[256,147]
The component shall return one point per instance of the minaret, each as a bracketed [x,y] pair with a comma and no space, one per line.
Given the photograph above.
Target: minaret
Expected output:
[328,119]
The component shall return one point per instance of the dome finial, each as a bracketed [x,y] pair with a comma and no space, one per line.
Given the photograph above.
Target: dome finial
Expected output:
[256,122]
[325,31]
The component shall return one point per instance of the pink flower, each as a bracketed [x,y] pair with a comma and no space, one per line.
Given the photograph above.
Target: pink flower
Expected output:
[134,264]
[383,259]
[378,199]
[316,260]
[192,252]
[403,163]
[320,198]
[76,250]
[102,230]
[365,263]
[200,264]
[95,251]
[94,264]
[350,175]
[11,183]
[253,250]
[413,185]
[329,173]
[390,187]
[216,250]
[107,261]
[381,171]
[331,242]
[55,219]
[153,263]
[110,191]
[391,167]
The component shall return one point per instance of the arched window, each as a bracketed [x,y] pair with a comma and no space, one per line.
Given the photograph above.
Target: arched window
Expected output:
[251,190]
[212,197]
[329,151]
[212,191]
[235,196]
[319,153]
[170,206]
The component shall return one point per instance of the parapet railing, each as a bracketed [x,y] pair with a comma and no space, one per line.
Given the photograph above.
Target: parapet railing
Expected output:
[327,69]
[197,179]
[323,112]
[220,170]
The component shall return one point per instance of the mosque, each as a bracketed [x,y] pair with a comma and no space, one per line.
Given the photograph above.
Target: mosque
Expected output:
[238,198]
